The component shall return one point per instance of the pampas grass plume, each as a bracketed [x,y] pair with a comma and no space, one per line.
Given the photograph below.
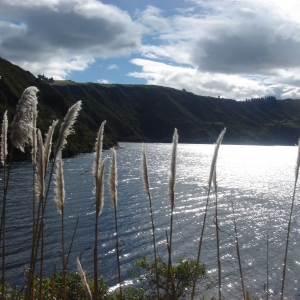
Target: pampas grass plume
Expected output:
[66,127]
[48,143]
[59,184]
[40,176]
[173,169]
[145,172]
[4,138]
[23,121]
[98,149]
[214,160]
[99,189]
[113,182]
[83,279]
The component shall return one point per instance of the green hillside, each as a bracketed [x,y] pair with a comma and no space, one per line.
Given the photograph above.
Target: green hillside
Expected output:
[51,106]
[150,113]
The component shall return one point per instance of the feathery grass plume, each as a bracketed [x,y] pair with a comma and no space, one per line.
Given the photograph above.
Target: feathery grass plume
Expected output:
[59,184]
[60,201]
[147,189]
[99,193]
[290,220]
[214,160]
[173,169]
[99,189]
[84,283]
[48,143]
[145,173]
[211,175]
[113,182]
[22,124]
[34,141]
[98,149]
[40,174]
[66,127]
[172,180]
[4,139]
[2,231]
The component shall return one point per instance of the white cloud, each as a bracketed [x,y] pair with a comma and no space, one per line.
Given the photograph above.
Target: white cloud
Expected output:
[112,67]
[103,81]
[201,83]
[240,49]
[64,35]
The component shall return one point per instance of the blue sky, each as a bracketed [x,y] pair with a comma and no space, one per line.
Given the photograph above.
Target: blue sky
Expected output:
[234,49]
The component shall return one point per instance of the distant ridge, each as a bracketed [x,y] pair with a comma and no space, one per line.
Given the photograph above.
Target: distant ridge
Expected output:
[149,113]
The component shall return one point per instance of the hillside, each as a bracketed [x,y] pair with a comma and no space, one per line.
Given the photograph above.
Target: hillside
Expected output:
[51,105]
[150,113]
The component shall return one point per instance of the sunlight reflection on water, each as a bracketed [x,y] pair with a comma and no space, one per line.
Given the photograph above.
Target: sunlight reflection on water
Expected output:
[257,179]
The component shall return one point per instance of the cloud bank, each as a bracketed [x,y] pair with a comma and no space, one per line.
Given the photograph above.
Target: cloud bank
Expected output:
[234,49]
[59,36]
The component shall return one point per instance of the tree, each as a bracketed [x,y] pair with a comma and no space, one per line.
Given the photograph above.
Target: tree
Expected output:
[184,273]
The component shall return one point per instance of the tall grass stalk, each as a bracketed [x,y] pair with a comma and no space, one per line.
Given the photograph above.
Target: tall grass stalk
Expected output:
[147,189]
[84,283]
[290,220]
[98,173]
[65,130]
[3,161]
[113,182]
[211,173]
[60,203]
[238,254]
[214,179]
[172,180]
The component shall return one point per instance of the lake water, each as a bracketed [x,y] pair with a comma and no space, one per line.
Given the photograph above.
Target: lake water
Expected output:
[259,181]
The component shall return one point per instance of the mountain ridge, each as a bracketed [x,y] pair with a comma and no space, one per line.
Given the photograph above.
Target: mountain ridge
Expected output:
[149,113]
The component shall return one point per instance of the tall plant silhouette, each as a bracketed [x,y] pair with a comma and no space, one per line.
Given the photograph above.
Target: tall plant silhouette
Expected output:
[211,174]
[290,220]
[98,173]
[147,189]
[172,180]
[113,182]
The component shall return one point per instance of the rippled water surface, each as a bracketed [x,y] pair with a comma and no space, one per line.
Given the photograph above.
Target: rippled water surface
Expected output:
[258,181]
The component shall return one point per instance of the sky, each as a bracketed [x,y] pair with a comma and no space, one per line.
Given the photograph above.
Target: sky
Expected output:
[233,49]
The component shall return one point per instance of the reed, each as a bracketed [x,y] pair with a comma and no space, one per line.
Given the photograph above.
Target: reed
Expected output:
[290,220]
[211,174]
[113,182]
[60,204]
[98,173]
[172,180]
[214,180]
[147,189]
[84,283]
[3,161]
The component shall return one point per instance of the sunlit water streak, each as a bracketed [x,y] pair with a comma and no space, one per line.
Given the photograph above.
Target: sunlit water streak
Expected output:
[258,180]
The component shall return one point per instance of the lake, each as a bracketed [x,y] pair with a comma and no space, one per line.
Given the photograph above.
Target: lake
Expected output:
[258,180]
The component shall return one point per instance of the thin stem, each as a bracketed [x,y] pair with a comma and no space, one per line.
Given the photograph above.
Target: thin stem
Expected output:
[63,252]
[118,258]
[287,240]
[238,254]
[96,261]
[154,245]
[70,249]
[218,244]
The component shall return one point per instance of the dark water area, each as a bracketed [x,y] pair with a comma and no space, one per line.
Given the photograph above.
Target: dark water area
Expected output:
[257,179]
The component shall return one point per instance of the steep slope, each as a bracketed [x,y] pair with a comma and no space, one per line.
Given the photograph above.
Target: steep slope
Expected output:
[51,105]
[150,113]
